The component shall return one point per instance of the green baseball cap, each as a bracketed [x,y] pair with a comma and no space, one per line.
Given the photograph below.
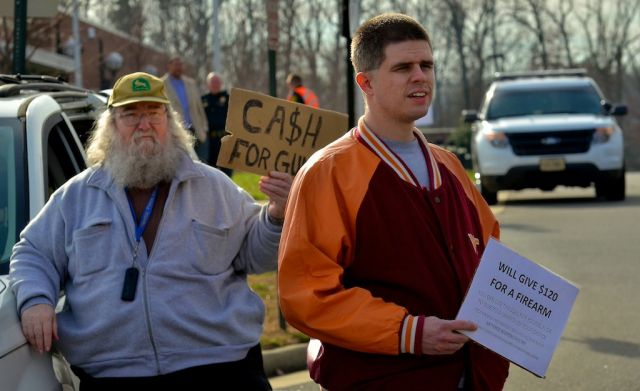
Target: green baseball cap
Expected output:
[137,87]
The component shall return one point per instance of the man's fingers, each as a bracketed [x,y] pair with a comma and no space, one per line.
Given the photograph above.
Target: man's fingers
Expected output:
[55,329]
[277,186]
[281,175]
[442,336]
[29,334]
[456,338]
[462,325]
[47,331]
[274,189]
[277,182]
[39,326]
[38,337]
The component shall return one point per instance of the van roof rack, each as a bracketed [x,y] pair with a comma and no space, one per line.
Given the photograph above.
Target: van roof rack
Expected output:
[14,89]
[20,78]
[540,73]
[12,85]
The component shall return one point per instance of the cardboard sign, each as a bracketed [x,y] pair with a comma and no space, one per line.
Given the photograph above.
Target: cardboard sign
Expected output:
[275,134]
[520,308]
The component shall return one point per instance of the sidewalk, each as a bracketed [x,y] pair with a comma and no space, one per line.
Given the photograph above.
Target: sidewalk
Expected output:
[285,360]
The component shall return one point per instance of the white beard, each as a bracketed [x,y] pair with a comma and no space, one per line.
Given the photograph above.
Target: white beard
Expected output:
[143,163]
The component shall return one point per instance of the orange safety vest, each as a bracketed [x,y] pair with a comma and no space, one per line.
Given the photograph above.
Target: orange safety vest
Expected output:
[308,96]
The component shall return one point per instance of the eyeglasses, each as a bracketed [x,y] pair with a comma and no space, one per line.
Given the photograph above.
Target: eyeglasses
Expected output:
[133,118]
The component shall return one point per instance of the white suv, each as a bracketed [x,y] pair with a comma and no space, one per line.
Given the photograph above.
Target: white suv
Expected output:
[43,123]
[544,129]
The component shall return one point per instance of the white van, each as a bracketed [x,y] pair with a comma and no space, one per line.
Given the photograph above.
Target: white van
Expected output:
[544,129]
[43,124]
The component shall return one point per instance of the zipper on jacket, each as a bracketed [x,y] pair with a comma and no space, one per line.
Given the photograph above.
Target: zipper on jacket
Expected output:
[144,280]
[132,242]
[148,320]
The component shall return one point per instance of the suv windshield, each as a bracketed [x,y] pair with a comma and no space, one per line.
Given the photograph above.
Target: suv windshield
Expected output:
[10,204]
[573,100]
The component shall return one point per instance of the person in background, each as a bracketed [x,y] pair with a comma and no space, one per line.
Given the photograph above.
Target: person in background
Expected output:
[184,96]
[383,233]
[299,93]
[216,106]
[152,250]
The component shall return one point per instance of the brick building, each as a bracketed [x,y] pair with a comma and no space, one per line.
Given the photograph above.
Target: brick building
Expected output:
[106,53]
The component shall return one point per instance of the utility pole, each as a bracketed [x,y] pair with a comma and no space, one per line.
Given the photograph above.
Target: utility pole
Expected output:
[216,62]
[272,43]
[77,46]
[19,36]
[347,6]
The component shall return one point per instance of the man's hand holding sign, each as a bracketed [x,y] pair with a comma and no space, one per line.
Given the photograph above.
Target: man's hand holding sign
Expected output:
[520,308]
[270,134]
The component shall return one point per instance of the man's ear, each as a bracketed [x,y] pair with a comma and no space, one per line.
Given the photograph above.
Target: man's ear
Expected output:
[364,82]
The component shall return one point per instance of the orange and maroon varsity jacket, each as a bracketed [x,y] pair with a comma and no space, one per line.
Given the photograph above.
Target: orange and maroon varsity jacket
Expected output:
[366,254]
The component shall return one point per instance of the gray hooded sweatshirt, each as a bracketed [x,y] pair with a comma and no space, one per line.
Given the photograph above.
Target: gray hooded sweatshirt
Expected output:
[193,305]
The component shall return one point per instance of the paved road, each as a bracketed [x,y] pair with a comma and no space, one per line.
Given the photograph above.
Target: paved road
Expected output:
[595,244]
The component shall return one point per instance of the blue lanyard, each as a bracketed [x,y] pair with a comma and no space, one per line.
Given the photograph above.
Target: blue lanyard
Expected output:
[144,219]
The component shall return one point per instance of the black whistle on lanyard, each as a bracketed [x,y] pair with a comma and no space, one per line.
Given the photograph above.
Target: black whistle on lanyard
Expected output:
[130,284]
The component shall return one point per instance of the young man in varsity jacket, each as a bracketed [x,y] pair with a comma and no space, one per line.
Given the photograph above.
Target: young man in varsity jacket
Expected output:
[383,232]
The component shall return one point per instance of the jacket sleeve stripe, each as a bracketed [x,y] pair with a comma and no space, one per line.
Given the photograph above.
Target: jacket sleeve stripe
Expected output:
[408,334]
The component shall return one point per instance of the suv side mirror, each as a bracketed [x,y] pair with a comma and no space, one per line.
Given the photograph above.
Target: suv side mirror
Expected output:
[618,110]
[469,116]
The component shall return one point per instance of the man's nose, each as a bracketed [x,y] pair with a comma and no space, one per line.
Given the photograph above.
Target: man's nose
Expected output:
[418,74]
[144,121]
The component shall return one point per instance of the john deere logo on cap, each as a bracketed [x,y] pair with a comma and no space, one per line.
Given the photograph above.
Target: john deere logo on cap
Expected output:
[140,84]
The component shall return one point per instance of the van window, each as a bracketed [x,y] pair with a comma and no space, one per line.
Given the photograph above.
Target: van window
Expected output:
[64,160]
[512,103]
[9,220]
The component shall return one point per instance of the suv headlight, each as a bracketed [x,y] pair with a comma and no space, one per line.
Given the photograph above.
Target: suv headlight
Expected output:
[602,135]
[497,139]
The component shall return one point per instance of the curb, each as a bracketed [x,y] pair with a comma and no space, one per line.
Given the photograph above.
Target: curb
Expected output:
[285,360]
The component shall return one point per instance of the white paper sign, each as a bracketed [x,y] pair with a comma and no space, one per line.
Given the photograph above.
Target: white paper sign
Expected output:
[520,307]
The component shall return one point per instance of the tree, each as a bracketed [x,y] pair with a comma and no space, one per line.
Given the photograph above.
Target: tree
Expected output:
[126,16]
[457,26]
[607,36]
[560,17]
[530,14]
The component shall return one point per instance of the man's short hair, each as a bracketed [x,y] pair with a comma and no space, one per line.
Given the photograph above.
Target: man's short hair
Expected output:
[294,79]
[373,36]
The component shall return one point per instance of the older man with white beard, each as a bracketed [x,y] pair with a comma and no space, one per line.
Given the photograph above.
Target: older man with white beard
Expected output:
[152,250]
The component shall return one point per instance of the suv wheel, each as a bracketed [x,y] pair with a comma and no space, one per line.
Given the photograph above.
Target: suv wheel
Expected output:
[490,196]
[612,189]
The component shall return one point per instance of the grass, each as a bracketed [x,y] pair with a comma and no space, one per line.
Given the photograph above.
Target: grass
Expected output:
[265,285]
[249,182]
[273,335]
